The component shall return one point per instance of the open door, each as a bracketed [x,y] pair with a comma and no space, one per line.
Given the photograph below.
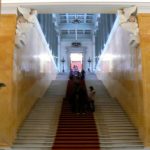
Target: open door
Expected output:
[76,61]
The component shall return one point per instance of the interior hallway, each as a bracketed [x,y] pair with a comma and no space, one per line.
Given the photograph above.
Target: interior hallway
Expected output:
[115,130]
[28,65]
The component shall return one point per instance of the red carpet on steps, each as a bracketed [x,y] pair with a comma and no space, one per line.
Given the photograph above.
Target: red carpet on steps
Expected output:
[75,131]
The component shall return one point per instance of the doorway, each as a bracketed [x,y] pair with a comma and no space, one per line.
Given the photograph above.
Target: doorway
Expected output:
[76,61]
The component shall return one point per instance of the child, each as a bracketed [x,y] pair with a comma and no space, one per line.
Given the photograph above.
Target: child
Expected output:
[91,98]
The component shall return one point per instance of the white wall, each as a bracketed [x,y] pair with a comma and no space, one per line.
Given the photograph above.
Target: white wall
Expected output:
[89,53]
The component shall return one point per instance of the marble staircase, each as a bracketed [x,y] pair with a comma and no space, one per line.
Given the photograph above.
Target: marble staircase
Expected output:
[116,132]
[39,129]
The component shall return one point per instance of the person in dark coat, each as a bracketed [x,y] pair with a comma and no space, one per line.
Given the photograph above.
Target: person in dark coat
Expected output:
[82,74]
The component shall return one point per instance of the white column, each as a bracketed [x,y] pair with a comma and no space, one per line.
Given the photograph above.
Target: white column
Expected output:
[59,53]
[93,52]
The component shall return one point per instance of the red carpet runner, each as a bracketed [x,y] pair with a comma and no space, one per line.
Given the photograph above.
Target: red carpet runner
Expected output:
[75,131]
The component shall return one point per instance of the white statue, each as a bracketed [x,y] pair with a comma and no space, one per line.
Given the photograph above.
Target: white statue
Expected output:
[28,14]
[25,20]
[128,21]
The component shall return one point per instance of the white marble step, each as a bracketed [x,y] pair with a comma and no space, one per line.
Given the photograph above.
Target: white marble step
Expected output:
[116,132]
[36,145]
[39,129]
[31,141]
[31,148]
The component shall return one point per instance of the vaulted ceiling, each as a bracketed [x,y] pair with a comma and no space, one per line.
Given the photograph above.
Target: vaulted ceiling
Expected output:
[76,26]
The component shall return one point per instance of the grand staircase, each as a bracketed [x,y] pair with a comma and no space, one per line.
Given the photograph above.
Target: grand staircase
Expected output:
[115,131]
[75,130]
[39,129]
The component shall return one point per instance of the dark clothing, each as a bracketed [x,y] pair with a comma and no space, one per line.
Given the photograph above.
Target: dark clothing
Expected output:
[91,106]
[82,74]
[79,99]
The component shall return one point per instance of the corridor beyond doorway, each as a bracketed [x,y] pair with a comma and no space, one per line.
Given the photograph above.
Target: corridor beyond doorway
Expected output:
[76,61]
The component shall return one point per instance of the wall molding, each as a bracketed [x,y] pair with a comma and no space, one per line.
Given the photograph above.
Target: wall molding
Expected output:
[108,6]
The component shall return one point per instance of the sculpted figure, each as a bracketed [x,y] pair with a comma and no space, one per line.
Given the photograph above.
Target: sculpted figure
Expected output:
[128,21]
[25,20]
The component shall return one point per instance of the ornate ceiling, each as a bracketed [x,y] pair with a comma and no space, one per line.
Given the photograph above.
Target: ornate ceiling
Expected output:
[76,26]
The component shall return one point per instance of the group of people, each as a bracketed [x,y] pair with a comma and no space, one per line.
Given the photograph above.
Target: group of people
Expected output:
[80,101]
[77,74]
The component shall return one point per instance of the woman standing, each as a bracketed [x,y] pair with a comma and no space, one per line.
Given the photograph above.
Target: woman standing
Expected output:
[91,98]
